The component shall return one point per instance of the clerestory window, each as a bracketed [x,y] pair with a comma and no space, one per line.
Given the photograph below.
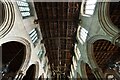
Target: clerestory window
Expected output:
[83,35]
[24,8]
[34,35]
[88,7]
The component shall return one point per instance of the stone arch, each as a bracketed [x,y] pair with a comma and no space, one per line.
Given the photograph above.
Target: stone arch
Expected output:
[28,50]
[105,21]
[90,46]
[9,18]
[92,61]
[14,62]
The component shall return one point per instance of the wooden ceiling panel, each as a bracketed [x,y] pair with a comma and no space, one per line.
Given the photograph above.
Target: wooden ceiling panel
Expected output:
[58,23]
[105,52]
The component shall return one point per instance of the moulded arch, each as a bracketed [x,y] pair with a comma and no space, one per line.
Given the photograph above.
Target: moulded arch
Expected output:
[91,57]
[89,46]
[104,19]
[109,61]
[9,54]
[27,47]
[13,62]
[74,62]
[97,37]
[9,18]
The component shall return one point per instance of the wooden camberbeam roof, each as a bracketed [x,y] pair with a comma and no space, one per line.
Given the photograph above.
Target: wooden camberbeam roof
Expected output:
[58,23]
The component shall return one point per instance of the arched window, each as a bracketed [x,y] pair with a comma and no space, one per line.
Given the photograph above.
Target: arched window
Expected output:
[88,7]
[34,35]
[7,17]
[82,34]
[72,70]
[74,62]
[77,52]
[24,8]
